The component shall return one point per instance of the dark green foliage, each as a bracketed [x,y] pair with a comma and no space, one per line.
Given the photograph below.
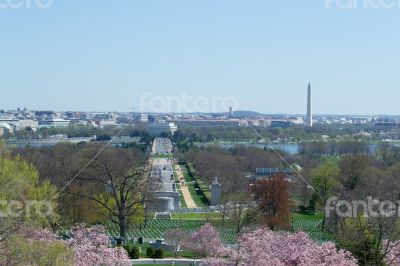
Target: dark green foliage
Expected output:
[103,137]
[150,252]
[159,253]
[364,250]
[134,253]
[132,250]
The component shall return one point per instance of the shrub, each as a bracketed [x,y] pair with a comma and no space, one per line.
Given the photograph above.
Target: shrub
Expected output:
[132,251]
[128,248]
[159,253]
[150,252]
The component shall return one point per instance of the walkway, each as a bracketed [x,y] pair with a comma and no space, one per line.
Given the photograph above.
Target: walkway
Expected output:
[185,191]
[172,261]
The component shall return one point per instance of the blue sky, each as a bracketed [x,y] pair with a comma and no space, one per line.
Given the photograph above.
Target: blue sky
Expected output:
[205,49]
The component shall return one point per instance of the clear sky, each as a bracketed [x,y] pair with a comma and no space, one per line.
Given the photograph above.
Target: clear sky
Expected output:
[91,55]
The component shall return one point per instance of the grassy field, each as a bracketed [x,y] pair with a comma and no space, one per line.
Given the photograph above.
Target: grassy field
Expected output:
[156,228]
[310,224]
[196,216]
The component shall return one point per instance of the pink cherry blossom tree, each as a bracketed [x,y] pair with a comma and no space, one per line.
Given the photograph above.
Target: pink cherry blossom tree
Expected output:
[265,247]
[86,247]
[92,247]
[391,252]
[206,241]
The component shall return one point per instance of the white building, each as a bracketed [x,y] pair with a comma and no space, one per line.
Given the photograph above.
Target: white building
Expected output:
[25,123]
[5,127]
[56,122]
[157,128]
[110,122]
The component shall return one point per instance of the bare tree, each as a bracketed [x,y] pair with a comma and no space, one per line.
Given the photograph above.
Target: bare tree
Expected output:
[119,181]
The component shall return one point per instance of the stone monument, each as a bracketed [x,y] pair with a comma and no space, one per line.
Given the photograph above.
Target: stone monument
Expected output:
[215,192]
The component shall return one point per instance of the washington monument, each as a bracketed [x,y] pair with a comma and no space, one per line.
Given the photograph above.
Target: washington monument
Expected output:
[309,121]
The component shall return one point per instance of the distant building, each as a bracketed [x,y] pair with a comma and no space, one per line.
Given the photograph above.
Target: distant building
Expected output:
[55,123]
[25,123]
[5,128]
[144,118]
[386,122]
[44,113]
[157,128]
[262,173]
[230,114]
[108,122]
[125,140]
[80,116]
[282,124]
[359,121]
[296,120]
[152,118]
[211,122]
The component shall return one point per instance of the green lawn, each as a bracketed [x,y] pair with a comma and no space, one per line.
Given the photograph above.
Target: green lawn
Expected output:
[197,216]
[194,189]
[182,200]
[156,228]
[310,224]
[203,186]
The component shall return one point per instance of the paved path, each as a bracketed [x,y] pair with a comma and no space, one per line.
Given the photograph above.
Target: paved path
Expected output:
[185,191]
[172,261]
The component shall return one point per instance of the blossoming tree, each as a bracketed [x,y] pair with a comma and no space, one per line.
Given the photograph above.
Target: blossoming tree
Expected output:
[265,247]
[206,241]
[92,247]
